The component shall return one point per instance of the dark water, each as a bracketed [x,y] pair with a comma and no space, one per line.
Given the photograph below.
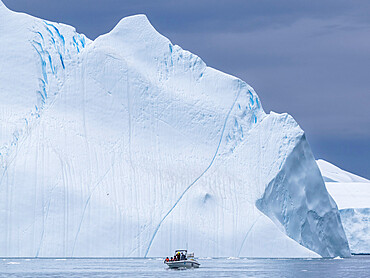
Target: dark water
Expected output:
[357,266]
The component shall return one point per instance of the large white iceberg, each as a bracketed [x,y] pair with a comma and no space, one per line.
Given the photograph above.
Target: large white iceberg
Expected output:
[129,146]
[352,194]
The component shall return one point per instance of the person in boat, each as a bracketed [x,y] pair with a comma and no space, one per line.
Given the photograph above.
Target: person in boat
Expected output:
[171,259]
[182,256]
[167,259]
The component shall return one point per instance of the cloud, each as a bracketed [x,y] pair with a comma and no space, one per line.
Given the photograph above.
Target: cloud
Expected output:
[204,16]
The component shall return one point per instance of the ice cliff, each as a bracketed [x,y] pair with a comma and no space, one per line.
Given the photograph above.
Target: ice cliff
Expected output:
[131,146]
[352,194]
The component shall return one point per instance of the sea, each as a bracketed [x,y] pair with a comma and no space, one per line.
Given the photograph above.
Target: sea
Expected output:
[356,266]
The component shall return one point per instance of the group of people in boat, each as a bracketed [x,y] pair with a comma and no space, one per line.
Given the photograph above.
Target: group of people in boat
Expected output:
[178,257]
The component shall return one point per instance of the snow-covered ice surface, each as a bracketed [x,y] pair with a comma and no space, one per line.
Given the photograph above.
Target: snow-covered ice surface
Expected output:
[332,173]
[129,146]
[352,194]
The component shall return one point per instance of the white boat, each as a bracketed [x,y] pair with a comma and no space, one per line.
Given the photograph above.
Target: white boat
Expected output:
[184,262]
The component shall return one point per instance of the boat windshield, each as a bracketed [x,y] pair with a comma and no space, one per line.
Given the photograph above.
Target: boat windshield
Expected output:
[180,255]
[181,251]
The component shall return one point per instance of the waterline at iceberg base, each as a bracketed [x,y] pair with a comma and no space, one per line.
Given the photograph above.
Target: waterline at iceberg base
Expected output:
[129,146]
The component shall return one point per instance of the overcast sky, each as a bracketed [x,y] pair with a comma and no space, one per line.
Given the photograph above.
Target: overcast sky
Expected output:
[308,58]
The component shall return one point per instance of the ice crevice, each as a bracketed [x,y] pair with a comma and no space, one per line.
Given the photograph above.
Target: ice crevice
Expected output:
[191,184]
[247,234]
[49,80]
[100,180]
[86,205]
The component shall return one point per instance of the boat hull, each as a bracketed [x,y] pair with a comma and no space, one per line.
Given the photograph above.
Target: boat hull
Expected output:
[183,264]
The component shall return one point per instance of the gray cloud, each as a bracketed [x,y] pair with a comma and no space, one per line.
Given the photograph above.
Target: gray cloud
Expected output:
[97,17]
[307,58]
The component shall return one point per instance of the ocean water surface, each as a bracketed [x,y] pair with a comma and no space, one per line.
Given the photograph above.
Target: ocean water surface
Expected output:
[357,266]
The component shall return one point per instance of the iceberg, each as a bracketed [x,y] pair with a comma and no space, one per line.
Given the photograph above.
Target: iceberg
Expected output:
[352,194]
[332,173]
[130,146]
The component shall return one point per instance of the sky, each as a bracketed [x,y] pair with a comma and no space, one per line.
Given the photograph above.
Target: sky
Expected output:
[310,59]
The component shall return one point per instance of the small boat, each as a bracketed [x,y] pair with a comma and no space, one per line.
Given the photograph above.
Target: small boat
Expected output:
[182,260]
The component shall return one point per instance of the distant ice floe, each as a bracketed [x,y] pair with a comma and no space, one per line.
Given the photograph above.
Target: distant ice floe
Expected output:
[352,195]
